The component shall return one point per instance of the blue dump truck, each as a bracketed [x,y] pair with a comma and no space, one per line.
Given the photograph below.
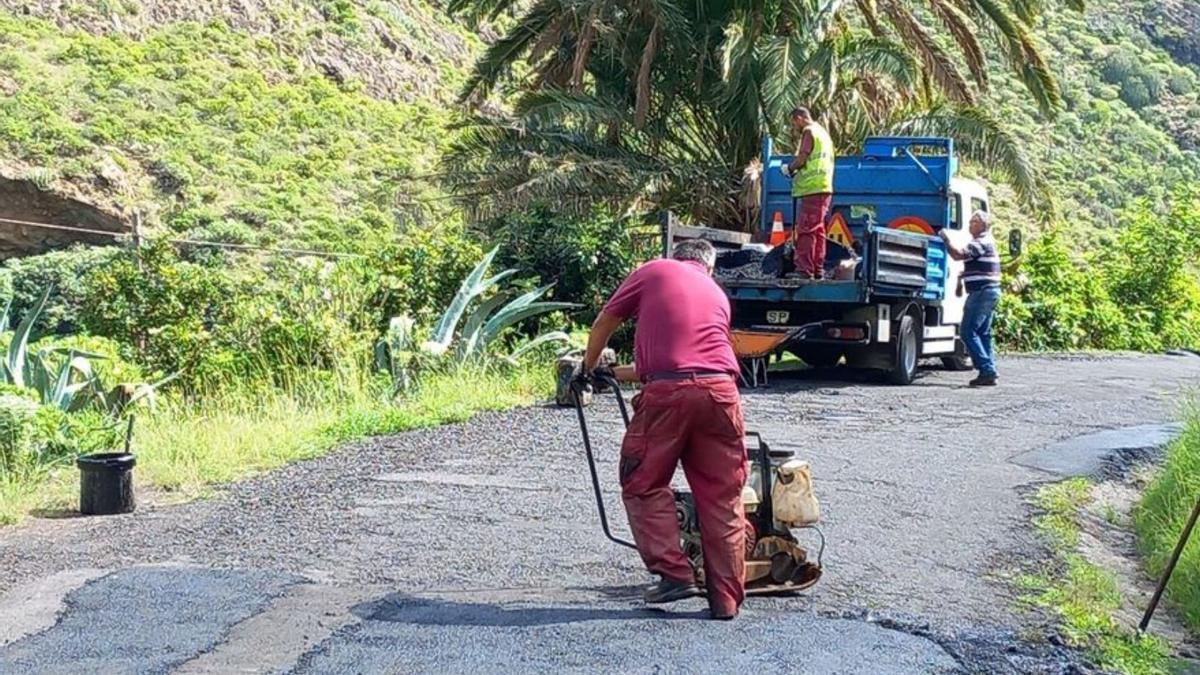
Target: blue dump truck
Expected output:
[891,294]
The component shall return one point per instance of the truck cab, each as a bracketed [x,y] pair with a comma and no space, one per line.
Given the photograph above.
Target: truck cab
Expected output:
[891,294]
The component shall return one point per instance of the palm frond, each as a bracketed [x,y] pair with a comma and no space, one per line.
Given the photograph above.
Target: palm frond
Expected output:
[938,64]
[642,105]
[1027,10]
[1023,55]
[785,63]
[583,46]
[870,14]
[500,57]
[739,104]
[959,25]
[982,138]
[880,58]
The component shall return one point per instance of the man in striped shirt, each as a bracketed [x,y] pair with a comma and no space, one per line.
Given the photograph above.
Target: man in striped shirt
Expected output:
[981,276]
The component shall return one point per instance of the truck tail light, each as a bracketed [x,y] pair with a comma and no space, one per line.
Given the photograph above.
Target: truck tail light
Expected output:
[845,333]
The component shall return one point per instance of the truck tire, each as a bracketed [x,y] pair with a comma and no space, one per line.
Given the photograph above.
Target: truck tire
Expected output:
[961,359]
[819,356]
[904,366]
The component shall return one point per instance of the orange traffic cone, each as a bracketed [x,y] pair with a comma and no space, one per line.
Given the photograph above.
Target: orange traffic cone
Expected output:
[778,236]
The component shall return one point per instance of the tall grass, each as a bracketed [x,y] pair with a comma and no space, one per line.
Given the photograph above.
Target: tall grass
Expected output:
[186,446]
[1162,514]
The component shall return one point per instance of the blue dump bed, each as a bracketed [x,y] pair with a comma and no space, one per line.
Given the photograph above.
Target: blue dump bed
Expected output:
[888,205]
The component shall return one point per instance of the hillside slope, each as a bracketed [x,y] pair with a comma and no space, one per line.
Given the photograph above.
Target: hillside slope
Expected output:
[241,120]
[1130,127]
[290,121]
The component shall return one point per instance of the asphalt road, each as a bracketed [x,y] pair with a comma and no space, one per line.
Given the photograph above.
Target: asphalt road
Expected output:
[476,547]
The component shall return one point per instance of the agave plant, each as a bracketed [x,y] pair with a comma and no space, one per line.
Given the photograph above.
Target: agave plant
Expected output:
[394,354]
[71,384]
[491,317]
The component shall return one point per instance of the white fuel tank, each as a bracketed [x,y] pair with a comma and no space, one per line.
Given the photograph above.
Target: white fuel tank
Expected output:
[792,497]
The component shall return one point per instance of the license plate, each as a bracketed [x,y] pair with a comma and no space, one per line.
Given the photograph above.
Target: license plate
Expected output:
[777,317]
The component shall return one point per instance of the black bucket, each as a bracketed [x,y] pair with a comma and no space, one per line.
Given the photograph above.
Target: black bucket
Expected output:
[106,483]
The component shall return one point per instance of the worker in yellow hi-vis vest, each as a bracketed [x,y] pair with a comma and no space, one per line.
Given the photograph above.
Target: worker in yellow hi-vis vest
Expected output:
[812,192]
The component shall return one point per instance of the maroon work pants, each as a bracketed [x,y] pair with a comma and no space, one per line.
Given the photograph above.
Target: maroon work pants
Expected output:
[809,233]
[699,422]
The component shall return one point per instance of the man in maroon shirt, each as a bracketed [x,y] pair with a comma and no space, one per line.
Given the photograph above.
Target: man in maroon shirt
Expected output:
[688,410]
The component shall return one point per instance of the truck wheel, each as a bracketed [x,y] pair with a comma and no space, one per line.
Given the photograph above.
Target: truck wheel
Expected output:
[961,359]
[819,356]
[904,368]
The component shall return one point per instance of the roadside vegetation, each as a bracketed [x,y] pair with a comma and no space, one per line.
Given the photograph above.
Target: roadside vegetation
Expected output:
[1161,515]
[1082,595]
[1139,293]
[237,366]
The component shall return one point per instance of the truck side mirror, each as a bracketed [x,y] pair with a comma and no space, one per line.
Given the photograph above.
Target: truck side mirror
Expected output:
[1014,243]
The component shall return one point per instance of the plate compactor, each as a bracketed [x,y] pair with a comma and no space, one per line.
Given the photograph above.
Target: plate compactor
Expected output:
[777,498]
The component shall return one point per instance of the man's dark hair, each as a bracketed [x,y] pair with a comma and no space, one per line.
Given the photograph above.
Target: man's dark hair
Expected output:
[696,249]
[801,111]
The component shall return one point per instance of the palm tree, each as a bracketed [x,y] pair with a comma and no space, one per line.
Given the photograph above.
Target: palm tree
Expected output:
[659,104]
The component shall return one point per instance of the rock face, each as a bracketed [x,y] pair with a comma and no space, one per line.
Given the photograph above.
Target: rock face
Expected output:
[24,201]
[1175,24]
[396,47]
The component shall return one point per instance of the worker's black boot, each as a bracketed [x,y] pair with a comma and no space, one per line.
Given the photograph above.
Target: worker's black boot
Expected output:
[669,590]
[983,381]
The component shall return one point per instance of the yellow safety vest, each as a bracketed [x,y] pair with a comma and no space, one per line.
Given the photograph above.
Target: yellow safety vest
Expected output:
[816,176]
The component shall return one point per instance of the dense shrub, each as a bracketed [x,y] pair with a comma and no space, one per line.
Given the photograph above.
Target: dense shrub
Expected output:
[33,437]
[217,316]
[110,359]
[1140,85]
[1056,304]
[1152,273]
[161,305]
[24,280]
[1140,293]
[585,258]
[420,271]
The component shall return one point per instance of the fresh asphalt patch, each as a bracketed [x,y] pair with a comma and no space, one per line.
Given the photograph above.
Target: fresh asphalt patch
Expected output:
[1100,454]
[144,620]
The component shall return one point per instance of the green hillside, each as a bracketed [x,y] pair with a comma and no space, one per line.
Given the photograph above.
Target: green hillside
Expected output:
[1130,127]
[292,121]
[282,124]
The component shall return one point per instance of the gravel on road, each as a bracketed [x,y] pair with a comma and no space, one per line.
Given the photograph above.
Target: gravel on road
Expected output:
[477,545]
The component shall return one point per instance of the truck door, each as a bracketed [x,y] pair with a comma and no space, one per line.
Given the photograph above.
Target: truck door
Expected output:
[956,297]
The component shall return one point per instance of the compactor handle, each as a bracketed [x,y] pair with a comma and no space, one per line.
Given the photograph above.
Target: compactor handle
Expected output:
[577,393]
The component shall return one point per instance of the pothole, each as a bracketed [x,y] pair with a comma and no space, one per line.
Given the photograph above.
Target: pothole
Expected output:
[984,650]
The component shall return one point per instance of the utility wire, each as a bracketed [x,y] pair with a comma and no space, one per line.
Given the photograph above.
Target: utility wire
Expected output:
[191,242]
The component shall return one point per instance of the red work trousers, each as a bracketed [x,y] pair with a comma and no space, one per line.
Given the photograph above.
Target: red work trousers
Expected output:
[698,421]
[809,233]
